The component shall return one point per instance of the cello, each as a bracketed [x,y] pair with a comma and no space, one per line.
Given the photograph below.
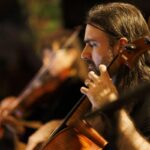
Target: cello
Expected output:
[75,132]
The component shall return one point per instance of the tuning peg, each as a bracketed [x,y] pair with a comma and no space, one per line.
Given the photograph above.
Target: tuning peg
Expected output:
[147,40]
[130,47]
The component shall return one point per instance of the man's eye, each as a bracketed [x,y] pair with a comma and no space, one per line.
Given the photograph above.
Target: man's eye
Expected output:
[92,44]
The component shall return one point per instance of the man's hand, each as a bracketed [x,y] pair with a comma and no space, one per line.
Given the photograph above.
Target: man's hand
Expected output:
[99,89]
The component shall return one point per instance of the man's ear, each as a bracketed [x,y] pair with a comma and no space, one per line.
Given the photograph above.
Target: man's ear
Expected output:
[120,45]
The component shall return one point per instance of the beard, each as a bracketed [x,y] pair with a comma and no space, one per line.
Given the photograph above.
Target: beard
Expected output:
[92,67]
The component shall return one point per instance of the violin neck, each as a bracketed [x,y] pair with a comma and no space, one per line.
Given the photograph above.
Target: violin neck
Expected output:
[41,77]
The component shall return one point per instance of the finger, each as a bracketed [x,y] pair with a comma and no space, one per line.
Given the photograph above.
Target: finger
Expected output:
[31,146]
[84,90]
[102,68]
[103,71]
[93,76]
[3,113]
[89,83]
[9,103]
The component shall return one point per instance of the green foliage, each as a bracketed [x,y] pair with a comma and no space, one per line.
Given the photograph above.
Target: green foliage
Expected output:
[44,16]
[46,9]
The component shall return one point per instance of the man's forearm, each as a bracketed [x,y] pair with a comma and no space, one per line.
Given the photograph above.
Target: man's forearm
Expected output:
[129,138]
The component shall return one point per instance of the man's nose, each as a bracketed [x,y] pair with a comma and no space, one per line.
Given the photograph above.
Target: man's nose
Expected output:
[86,53]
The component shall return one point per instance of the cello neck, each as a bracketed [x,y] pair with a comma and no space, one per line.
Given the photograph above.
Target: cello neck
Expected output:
[79,110]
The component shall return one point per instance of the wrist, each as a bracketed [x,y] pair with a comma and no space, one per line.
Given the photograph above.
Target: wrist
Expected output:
[125,124]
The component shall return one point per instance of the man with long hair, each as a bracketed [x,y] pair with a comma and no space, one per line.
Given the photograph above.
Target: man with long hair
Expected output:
[109,28]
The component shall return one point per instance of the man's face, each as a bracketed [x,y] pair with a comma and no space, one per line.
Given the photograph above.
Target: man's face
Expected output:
[97,49]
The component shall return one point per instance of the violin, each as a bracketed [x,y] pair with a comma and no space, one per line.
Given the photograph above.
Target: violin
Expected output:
[75,133]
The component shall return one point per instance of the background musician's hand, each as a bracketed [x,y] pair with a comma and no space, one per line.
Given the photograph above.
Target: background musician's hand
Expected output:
[42,134]
[6,106]
[99,89]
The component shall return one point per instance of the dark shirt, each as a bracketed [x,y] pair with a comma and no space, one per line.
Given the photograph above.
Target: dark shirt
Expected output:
[141,116]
